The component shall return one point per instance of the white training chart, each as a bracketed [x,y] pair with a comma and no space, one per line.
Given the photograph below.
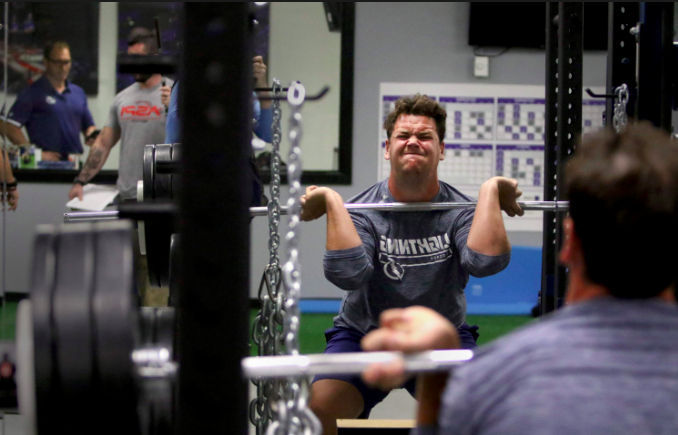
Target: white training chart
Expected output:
[491,130]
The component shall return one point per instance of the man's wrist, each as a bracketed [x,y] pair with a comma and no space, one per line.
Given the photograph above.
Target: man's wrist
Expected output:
[77,180]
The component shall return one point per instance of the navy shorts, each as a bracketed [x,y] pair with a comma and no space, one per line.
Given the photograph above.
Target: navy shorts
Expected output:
[343,340]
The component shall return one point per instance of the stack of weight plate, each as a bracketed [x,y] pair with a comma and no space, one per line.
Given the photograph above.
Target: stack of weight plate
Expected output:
[159,188]
[86,324]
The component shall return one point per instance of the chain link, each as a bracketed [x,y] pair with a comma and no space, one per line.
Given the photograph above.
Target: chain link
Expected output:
[268,328]
[620,117]
[294,417]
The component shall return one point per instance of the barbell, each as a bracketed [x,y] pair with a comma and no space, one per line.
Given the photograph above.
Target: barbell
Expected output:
[547,206]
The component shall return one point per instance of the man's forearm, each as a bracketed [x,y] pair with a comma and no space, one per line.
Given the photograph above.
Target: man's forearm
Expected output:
[341,233]
[14,133]
[95,161]
[429,392]
[488,235]
[6,175]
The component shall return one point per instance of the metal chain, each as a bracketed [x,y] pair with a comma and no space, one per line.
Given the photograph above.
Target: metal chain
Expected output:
[268,327]
[294,417]
[620,116]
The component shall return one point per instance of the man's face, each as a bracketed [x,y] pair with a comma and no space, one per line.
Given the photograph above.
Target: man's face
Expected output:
[139,48]
[414,146]
[58,64]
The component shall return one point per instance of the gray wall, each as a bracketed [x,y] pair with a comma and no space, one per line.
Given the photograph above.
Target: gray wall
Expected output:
[395,42]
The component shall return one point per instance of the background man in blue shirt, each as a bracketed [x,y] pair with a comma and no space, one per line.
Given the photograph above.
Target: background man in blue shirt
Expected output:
[53,110]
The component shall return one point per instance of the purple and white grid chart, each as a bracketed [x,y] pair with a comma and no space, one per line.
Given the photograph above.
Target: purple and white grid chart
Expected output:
[387,106]
[521,119]
[466,164]
[592,115]
[469,118]
[524,163]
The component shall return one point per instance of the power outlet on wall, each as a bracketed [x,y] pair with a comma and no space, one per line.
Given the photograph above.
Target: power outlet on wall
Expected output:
[481,66]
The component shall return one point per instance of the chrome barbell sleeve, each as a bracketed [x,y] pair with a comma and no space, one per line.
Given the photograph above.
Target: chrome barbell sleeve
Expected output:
[352,363]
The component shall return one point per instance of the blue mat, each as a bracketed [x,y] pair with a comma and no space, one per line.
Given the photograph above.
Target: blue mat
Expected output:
[513,291]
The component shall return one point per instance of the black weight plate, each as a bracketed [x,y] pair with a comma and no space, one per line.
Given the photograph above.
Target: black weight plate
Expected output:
[42,284]
[162,183]
[114,311]
[157,394]
[164,329]
[71,319]
[158,231]
[176,178]
[164,389]
[149,171]
[174,271]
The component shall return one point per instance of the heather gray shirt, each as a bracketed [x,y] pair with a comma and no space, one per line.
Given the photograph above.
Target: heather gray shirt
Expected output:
[413,258]
[607,366]
[140,116]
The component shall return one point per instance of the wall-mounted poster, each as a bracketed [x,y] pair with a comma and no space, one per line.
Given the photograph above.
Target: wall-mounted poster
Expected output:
[32,25]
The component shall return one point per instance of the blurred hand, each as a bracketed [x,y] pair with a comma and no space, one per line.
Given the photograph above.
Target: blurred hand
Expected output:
[165,95]
[76,191]
[259,69]
[413,329]
[508,195]
[12,199]
[313,204]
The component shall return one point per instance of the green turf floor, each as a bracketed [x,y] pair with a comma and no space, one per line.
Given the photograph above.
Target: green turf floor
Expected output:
[313,326]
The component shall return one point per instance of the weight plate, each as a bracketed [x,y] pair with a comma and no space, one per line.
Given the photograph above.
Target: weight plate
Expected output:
[162,183]
[42,285]
[176,178]
[157,232]
[157,394]
[114,311]
[174,271]
[72,320]
[149,171]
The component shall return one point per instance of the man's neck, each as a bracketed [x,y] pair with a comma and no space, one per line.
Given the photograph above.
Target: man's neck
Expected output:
[152,82]
[58,84]
[580,289]
[413,188]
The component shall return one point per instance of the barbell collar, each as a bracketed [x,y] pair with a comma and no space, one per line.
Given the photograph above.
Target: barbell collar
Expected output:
[352,363]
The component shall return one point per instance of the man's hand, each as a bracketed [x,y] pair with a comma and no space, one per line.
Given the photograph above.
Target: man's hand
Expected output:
[76,191]
[508,195]
[413,329]
[89,137]
[259,68]
[12,198]
[313,204]
[165,95]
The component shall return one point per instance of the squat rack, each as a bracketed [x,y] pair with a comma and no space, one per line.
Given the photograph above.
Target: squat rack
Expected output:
[641,55]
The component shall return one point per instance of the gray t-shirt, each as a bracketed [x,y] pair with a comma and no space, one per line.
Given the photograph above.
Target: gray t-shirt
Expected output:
[140,116]
[606,366]
[412,258]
